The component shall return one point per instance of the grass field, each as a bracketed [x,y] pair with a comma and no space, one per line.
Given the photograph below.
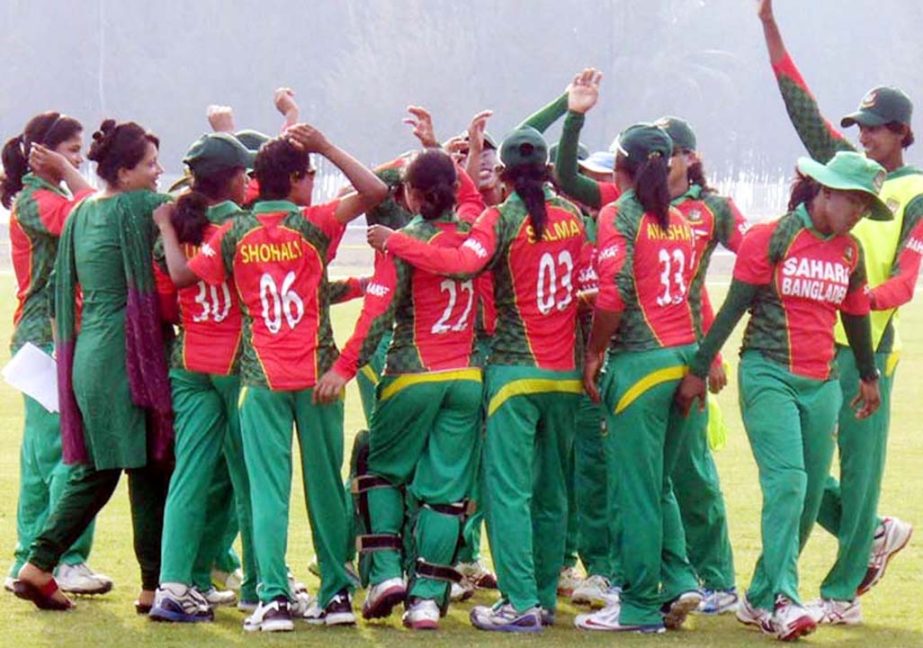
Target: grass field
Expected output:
[893,610]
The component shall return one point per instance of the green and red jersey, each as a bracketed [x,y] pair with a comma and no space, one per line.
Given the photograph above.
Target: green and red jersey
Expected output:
[277,255]
[35,226]
[804,279]
[892,249]
[534,278]
[433,316]
[645,272]
[208,315]
[714,219]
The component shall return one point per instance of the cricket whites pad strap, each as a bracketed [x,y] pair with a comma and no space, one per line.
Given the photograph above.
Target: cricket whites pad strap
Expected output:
[437,572]
[363,483]
[458,509]
[378,542]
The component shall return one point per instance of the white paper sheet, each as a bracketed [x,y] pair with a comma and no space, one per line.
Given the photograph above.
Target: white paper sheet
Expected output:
[34,373]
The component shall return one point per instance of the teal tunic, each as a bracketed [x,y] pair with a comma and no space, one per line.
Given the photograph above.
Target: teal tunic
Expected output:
[114,428]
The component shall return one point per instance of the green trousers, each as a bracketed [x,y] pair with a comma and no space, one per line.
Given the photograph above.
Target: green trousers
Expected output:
[209,478]
[423,435]
[531,416]
[266,419]
[86,492]
[42,478]
[701,505]
[470,550]
[849,506]
[791,422]
[591,492]
[646,434]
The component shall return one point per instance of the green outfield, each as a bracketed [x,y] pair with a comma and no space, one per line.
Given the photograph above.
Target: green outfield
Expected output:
[893,610]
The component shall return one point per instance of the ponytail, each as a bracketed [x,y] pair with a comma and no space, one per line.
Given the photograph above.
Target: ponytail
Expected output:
[696,176]
[190,218]
[804,189]
[15,166]
[528,181]
[432,173]
[652,189]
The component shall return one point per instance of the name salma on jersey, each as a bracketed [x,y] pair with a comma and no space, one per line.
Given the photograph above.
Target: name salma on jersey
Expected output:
[815,279]
[559,231]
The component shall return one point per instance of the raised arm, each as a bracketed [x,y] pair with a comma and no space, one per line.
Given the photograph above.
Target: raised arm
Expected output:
[178,267]
[819,136]
[582,95]
[462,262]
[547,115]
[42,158]
[369,189]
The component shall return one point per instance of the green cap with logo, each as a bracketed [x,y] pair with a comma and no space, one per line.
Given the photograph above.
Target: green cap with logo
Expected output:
[679,131]
[850,171]
[524,146]
[880,106]
[215,152]
[642,142]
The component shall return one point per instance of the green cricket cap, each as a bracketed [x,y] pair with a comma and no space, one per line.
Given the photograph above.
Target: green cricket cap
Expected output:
[217,152]
[252,139]
[879,106]
[850,171]
[524,146]
[679,131]
[582,152]
[641,142]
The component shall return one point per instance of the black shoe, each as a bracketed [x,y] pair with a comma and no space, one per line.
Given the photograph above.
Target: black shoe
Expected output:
[339,610]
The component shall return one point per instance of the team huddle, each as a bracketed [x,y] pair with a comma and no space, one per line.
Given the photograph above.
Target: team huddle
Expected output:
[534,352]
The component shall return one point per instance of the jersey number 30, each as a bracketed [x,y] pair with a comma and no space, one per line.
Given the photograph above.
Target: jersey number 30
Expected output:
[279,301]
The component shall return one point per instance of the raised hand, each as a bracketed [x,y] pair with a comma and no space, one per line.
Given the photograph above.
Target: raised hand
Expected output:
[583,92]
[284,100]
[221,118]
[43,160]
[476,129]
[764,10]
[307,138]
[422,123]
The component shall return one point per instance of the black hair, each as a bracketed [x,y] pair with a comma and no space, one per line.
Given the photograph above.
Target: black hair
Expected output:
[432,173]
[277,161]
[804,189]
[48,129]
[190,218]
[695,173]
[898,127]
[119,146]
[528,181]
[650,179]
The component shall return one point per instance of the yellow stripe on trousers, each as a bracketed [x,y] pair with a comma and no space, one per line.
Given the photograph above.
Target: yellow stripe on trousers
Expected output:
[406,380]
[650,381]
[526,386]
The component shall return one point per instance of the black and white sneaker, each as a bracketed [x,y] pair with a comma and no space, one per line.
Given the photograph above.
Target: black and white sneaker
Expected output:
[177,603]
[339,611]
[275,616]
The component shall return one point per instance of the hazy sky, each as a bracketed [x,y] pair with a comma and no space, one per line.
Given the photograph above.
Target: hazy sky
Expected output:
[357,64]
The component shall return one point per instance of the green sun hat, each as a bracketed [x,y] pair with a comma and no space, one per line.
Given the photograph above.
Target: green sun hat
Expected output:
[524,146]
[850,171]
[215,152]
[879,106]
[679,131]
[641,142]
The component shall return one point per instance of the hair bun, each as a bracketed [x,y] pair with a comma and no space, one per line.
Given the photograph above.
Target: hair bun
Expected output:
[102,140]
